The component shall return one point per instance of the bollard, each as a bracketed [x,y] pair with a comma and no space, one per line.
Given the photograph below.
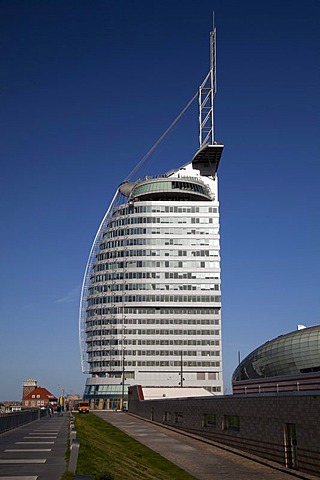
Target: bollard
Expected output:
[73,436]
[73,460]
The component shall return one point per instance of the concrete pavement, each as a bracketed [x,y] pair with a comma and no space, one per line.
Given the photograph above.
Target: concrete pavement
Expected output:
[35,451]
[201,459]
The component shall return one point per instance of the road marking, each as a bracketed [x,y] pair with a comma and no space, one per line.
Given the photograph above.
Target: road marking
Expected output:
[12,461]
[28,450]
[34,443]
[18,478]
[43,433]
[40,437]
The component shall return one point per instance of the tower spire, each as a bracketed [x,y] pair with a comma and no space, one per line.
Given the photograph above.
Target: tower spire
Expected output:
[208,156]
[206,95]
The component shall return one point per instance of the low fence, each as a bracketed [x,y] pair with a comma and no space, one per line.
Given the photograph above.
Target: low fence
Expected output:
[8,421]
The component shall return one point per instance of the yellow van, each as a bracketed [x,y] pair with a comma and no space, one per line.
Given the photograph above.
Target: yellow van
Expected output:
[83,407]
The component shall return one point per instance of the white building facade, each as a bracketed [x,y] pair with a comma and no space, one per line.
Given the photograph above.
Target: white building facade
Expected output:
[150,310]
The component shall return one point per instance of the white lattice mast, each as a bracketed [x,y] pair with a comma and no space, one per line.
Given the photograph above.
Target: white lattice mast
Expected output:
[208,156]
[206,95]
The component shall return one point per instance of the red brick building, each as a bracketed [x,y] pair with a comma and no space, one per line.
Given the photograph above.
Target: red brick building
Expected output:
[39,397]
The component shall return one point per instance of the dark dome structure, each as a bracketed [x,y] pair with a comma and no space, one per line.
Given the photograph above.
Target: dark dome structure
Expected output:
[291,359]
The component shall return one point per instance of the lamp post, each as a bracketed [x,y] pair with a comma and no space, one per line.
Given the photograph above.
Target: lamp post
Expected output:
[123,370]
[181,369]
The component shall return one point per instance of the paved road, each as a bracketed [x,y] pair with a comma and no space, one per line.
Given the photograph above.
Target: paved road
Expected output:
[203,461]
[35,451]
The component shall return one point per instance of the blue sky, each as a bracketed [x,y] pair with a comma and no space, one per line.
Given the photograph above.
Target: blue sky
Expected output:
[86,90]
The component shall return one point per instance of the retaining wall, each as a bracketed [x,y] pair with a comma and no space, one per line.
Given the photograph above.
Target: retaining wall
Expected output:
[283,428]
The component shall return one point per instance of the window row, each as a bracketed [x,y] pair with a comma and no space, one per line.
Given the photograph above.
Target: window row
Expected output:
[162,363]
[121,222]
[138,331]
[188,265]
[124,232]
[33,403]
[127,287]
[229,422]
[156,253]
[152,321]
[113,276]
[155,298]
[162,209]
[130,341]
[151,353]
[131,242]
[157,310]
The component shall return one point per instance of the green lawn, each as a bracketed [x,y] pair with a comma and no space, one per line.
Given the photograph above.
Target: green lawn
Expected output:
[106,453]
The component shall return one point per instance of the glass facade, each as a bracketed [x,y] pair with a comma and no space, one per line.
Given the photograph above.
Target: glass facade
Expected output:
[153,300]
[294,354]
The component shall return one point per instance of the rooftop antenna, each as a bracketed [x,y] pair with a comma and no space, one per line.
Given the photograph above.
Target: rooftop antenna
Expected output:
[208,156]
[206,95]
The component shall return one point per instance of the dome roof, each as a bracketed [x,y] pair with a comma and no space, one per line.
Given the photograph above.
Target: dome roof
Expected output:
[295,353]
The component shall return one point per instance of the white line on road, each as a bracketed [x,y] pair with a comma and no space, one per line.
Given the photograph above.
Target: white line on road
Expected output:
[43,433]
[28,450]
[18,478]
[34,443]
[12,461]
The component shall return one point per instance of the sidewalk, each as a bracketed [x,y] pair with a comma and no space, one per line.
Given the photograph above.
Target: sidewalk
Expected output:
[35,451]
[202,460]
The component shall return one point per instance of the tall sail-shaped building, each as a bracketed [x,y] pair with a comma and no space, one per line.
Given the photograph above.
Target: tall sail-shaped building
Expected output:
[151,296]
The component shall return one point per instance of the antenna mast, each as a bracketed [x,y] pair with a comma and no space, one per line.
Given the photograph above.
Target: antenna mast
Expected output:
[206,94]
[207,158]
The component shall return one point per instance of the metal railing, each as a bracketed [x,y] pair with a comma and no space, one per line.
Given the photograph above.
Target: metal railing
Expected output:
[8,421]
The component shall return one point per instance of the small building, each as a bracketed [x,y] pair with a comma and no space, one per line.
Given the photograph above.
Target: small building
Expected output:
[39,397]
[10,407]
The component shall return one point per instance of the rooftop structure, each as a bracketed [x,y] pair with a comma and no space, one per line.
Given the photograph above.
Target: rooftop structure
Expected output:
[290,362]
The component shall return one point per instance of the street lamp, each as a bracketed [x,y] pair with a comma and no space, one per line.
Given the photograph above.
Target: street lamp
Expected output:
[181,370]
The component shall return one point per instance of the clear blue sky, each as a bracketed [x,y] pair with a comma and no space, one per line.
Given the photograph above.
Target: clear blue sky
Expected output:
[86,89]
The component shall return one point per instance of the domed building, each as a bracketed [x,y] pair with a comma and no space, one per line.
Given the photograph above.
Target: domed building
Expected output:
[288,363]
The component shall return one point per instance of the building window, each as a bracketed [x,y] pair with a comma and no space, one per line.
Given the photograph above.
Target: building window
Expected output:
[209,420]
[167,417]
[33,396]
[232,422]
[27,403]
[178,417]
[216,389]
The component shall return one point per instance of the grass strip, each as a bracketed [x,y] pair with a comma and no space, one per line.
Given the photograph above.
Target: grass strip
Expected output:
[106,453]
